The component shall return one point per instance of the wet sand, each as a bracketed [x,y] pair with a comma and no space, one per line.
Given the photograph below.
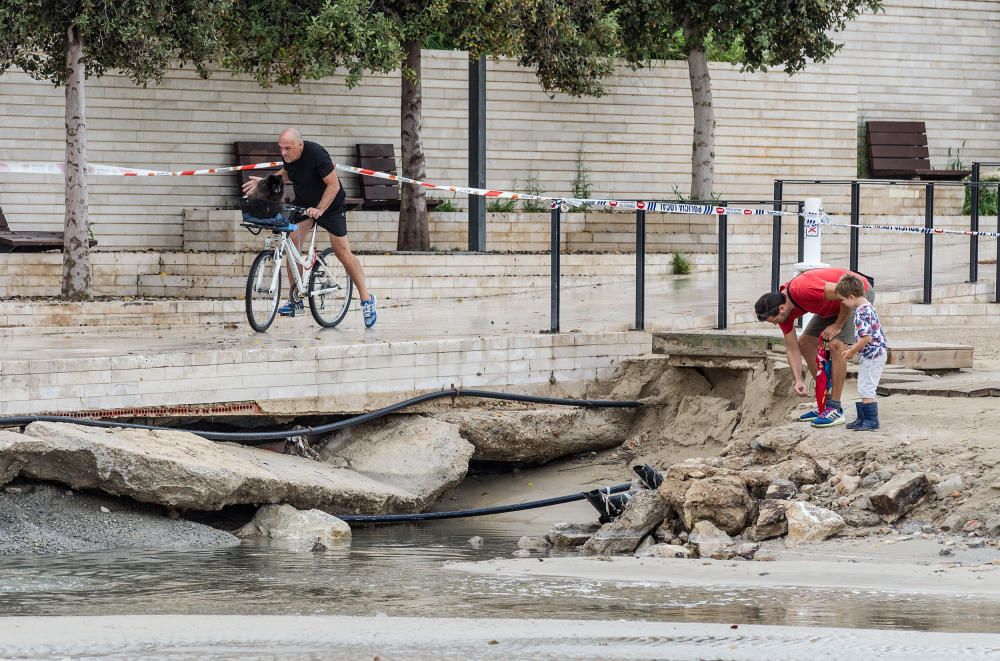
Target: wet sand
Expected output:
[253,637]
[981,580]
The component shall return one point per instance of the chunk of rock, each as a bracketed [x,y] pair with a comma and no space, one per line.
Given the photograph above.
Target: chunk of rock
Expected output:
[521,553]
[571,534]
[992,527]
[533,543]
[706,493]
[848,484]
[859,518]
[948,484]
[809,523]
[644,512]
[771,521]
[421,455]
[476,542]
[899,495]
[181,470]
[539,436]
[284,522]
[781,490]
[708,539]
[664,551]
[747,550]
[780,440]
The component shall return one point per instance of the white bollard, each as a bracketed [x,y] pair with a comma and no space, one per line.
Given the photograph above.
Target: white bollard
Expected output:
[812,244]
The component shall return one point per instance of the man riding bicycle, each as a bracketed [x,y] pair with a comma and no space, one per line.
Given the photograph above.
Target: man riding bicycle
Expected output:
[308,166]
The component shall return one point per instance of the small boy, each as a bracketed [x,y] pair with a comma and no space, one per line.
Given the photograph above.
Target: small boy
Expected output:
[870,345]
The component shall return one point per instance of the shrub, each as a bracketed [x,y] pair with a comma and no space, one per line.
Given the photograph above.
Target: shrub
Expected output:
[680,264]
[987,196]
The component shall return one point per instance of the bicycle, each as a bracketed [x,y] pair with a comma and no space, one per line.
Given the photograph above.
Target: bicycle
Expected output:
[329,287]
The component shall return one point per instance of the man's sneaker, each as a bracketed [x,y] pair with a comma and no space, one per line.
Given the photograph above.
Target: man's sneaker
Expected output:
[290,308]
[368,311]
[809,416]
[830,418]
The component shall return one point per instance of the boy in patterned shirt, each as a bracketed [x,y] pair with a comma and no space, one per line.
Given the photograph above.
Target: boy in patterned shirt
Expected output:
[870,345]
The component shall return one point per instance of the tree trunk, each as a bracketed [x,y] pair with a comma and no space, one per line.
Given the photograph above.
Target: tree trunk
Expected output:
[703,144]
[413,230]
[76,246]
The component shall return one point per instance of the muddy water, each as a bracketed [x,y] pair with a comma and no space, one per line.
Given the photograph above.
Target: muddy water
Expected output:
[395,571]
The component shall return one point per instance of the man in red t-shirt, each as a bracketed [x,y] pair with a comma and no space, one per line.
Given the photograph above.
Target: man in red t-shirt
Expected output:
[814,291]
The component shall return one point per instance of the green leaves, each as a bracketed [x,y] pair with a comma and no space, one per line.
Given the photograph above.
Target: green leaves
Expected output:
[139,38]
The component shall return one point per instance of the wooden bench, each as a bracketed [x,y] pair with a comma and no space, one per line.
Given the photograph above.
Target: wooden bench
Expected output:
[898,150]
[381,194]
[249,152]
[29,241]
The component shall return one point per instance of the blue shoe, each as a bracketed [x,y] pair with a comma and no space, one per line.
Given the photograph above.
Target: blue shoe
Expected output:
[861,416]
[831,417]
[368,311]
[290,308]
[809,416]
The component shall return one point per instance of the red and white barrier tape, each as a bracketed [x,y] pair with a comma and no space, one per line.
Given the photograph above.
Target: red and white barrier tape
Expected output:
[825,222]
[114,170]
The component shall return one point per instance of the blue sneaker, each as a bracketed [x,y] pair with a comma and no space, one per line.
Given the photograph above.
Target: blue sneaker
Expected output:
[809,416]
[368,311]
[831,417]
[290,308]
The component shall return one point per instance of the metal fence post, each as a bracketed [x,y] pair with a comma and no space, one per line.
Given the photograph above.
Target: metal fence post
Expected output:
[974,226]
[640,269]
[477,152]
[855,220]
[996,296]
[723,267]
[554,255]
[928,242]
[801,254]
[776,237]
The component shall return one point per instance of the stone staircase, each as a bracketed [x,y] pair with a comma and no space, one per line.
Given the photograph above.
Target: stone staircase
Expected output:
[952,307]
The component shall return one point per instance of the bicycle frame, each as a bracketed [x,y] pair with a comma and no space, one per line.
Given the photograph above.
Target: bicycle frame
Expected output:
[286,248]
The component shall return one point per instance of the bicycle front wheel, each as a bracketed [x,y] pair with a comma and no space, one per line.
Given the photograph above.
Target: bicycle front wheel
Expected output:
[263,291]
[330,290]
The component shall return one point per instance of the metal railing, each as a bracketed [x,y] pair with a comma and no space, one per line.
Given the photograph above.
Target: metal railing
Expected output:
[975,193]
[640,257]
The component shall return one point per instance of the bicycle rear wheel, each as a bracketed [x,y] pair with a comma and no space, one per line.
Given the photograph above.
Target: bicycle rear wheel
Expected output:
[330,290]
[263,291]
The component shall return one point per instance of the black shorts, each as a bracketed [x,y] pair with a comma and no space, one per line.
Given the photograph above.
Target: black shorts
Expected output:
[334,222]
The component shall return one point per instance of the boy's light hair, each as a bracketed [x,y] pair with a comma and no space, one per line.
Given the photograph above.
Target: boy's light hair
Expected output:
[850,285]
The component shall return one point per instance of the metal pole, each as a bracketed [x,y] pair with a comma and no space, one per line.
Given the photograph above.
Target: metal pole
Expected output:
[855,220]
[974,226]
[723,267]
[477,152]
[801,255]
[928,242]
[776,237]
[554,253]
[996,296]
[640,270]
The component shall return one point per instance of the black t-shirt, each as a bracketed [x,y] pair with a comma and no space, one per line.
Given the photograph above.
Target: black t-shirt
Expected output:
[307,172]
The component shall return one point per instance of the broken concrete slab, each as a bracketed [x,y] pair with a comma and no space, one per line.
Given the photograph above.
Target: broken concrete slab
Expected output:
[418,454]
[185,471]
[540,435]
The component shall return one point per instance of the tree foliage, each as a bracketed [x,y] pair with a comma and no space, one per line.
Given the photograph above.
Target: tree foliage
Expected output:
[757,34]
[140,38]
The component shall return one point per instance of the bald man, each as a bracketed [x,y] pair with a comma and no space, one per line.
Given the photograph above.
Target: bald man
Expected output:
[308,166]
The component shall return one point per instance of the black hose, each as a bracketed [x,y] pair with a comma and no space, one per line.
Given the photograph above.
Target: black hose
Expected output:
[481,511]
[257,438]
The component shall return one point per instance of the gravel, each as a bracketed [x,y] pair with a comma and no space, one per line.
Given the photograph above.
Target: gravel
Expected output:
[43,518]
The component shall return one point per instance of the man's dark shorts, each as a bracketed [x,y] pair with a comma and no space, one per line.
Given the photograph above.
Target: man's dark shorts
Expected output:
[334,222]
[818,324]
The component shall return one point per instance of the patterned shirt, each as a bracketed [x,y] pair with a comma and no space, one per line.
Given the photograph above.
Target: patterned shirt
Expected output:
[866,323]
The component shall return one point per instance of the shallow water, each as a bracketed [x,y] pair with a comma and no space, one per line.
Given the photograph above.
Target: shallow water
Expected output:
[395,571]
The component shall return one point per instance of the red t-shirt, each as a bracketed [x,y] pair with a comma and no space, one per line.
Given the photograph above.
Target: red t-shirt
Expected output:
[808,292]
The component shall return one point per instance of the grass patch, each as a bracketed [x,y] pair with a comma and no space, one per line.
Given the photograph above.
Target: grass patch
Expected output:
[680,264]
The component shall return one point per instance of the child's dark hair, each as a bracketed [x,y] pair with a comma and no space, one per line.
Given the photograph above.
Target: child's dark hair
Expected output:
[850,285]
